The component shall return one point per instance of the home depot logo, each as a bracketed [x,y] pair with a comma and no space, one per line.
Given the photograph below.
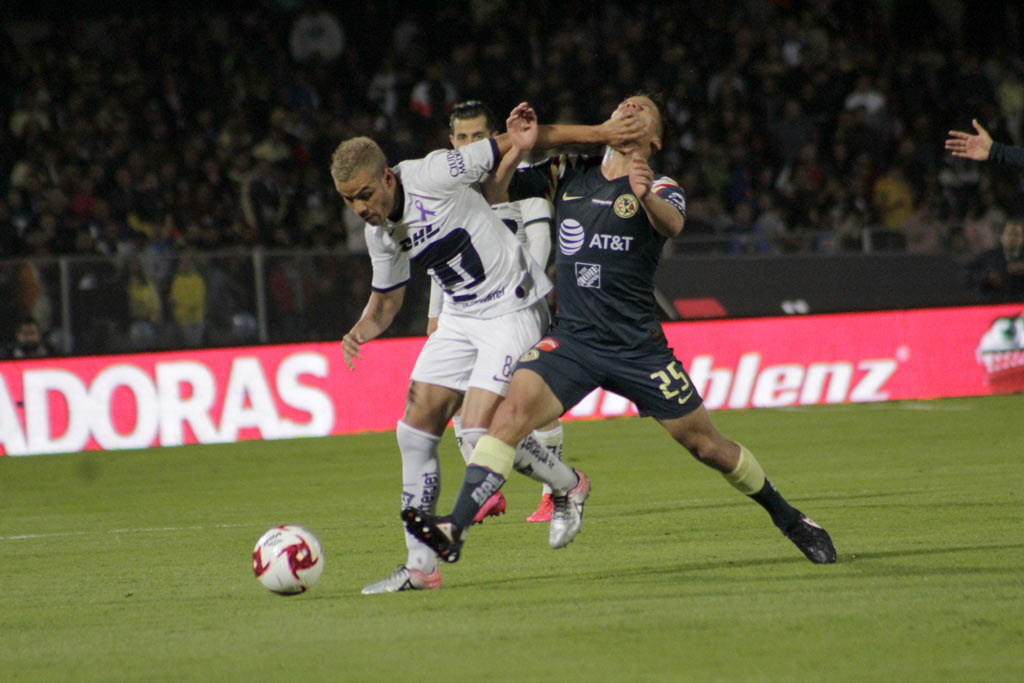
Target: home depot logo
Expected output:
[748,385]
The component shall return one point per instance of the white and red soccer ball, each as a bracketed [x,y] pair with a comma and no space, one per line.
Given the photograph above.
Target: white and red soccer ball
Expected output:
[288,559]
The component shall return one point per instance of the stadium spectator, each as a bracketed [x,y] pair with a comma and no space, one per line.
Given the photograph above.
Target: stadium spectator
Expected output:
[290,286]
[316,33]
[1010,96]
[999,272]
[866,95]
[983,222]
[145,308]
[32,284]
[790,134]
[28,342]
[433,96]
[893,198]
[97,297]
[187,299]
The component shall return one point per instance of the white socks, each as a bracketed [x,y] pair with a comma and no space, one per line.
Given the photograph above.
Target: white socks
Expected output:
[538,456]
[459,438]
[421,485]
[536,461]
[552,441]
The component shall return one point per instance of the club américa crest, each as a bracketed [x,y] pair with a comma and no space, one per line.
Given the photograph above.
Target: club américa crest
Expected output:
[545,344]
[626,205]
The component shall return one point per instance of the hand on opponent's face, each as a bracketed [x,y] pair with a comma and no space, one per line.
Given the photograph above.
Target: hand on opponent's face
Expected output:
[624,129]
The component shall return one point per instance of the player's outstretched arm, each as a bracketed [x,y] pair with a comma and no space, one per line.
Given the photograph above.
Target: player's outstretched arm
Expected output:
[968,146]
[613,132]
[377,316]
[520,137]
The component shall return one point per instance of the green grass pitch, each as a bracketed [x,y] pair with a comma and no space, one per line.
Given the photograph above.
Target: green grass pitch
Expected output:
[136,565]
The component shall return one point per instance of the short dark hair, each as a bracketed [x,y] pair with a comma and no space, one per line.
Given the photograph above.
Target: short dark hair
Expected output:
[470,109]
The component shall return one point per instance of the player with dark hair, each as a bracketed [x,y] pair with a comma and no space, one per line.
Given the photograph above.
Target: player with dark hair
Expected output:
[530,221]
[471,111]
[613,215]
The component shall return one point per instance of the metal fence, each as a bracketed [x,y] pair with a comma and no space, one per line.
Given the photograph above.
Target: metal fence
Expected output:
[165,300]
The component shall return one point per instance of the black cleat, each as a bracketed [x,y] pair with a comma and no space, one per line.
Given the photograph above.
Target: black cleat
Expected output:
[813,541]
[440,533]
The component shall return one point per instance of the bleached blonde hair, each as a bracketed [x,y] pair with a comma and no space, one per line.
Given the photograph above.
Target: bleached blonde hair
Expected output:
[355,155]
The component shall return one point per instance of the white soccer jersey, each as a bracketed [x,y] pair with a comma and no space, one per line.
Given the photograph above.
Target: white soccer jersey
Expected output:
[530,220]
[447,227]
[523,214]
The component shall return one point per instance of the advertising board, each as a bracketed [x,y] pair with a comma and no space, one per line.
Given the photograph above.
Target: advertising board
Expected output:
[59,405]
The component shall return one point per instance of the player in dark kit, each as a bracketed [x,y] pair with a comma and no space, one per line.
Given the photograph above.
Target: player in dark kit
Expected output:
[613,215]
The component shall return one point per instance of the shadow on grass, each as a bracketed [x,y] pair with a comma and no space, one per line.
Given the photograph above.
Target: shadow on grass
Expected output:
[845,560]
[828,499]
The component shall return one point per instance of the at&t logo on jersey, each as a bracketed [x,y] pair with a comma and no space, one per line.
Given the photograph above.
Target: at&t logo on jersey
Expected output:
[610,242]
[588,275]
[570,236]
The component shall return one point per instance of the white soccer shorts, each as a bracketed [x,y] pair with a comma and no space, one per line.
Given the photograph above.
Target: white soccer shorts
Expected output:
[475,352]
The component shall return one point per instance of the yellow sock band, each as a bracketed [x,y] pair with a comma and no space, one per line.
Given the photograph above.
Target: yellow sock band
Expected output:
[493,454]
[748,477]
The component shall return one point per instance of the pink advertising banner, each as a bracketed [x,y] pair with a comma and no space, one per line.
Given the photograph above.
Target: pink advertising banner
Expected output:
[134,401]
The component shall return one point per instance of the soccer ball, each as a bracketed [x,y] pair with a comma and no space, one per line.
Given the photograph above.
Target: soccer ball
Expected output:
[288,559]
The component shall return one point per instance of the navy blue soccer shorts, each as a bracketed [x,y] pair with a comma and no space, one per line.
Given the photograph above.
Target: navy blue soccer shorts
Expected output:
[656,381]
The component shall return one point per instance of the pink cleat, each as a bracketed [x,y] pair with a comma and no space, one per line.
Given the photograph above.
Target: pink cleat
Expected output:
[492,507]
[543,511]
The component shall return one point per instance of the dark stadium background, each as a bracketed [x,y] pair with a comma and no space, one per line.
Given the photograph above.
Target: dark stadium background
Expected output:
[194,129]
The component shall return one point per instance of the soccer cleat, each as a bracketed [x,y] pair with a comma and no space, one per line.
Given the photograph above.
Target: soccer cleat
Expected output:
[543,511]
[812,540]
[492,507]
[567,513]
[405,579]
[440,533]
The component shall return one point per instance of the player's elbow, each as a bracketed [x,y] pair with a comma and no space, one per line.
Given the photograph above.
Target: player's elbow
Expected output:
[670,228]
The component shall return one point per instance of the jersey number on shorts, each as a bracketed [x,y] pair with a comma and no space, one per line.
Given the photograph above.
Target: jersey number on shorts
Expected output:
[455,261]
[682,391]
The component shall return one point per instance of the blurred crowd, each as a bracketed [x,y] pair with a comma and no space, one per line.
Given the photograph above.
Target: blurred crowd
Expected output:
[156,137]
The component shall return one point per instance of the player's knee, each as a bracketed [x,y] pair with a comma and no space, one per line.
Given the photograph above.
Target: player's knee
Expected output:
[706,449]
[512,422]
[429,410]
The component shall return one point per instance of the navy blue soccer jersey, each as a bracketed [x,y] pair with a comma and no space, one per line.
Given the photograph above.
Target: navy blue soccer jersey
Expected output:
[606,251]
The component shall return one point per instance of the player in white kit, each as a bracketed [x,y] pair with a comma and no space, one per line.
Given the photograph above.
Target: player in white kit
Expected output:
[427,211]
[530,221]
